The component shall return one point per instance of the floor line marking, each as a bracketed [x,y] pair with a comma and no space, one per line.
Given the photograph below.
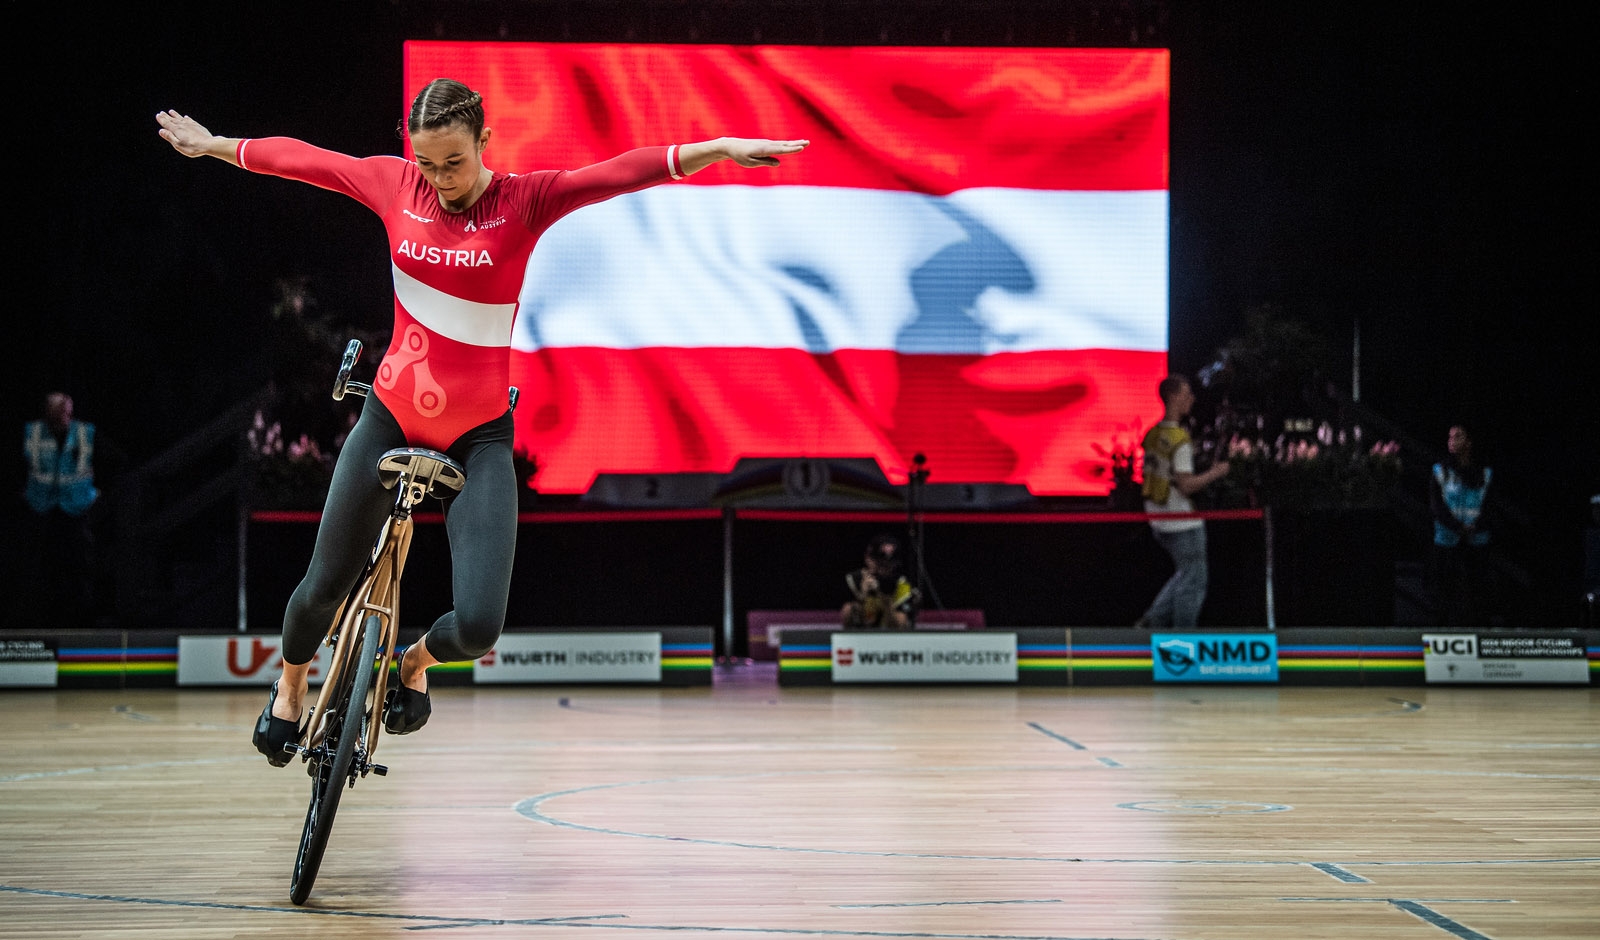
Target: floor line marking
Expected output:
[1431,916]
[1416,908]
[529,809]
[541,745]
[569,922]
[852,907]
[1048,733]
[225,906]
[551,921]
[1340,872]
[150,765]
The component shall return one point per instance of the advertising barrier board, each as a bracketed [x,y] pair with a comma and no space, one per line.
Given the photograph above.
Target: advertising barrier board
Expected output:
[572,657]
[27,663]
[911,656]
[237,660]
[1481,657]
[1214,657]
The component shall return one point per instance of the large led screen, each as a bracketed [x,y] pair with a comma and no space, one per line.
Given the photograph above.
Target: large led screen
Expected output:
[969,261]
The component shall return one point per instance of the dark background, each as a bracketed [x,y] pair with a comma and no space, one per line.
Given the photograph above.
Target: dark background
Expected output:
[1416,172]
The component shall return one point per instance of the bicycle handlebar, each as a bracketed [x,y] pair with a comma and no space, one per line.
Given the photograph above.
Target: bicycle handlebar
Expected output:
[341,382]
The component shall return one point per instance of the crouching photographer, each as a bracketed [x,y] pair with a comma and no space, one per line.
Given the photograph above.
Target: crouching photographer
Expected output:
[882,598]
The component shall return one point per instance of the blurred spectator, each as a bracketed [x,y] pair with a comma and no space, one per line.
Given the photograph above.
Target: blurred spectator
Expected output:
[1591,566]
[882,598]
[58,538]
[1169,482]
[1458,496]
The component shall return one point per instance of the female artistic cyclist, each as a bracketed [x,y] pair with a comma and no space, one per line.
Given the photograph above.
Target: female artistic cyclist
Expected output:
[459,239]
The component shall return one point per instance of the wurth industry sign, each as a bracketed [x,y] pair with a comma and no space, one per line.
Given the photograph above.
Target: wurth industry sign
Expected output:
[910,656]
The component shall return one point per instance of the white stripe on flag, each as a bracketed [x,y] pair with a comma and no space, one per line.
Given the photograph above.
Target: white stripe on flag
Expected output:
[821,269]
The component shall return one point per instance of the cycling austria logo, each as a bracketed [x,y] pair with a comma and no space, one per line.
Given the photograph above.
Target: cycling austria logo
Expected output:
[427,395]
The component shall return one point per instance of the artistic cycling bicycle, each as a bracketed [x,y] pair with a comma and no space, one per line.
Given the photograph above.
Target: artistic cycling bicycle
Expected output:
[340,736]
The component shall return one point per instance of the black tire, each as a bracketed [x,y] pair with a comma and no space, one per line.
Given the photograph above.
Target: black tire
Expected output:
[331,767]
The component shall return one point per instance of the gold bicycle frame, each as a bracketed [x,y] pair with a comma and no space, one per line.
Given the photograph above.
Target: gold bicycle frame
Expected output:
[378,592]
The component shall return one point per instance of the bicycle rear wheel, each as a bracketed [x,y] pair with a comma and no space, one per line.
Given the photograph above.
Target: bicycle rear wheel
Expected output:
[331,760]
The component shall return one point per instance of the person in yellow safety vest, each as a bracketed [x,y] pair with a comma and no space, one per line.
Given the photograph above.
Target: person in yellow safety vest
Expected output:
[60,492]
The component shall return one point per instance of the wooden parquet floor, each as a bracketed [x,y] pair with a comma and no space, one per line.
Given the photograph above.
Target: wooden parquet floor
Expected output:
[747,811]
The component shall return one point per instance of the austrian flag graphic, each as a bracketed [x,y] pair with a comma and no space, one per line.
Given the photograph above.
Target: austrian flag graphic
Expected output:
[968,262]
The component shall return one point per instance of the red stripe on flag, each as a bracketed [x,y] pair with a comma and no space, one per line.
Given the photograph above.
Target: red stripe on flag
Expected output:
[928,120]
[1030,418]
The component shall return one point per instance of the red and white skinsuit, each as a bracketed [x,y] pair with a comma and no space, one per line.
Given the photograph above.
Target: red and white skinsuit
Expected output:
[457,276]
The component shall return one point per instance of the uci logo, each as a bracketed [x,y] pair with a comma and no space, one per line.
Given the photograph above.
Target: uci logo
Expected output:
[259,657]
[1453,645]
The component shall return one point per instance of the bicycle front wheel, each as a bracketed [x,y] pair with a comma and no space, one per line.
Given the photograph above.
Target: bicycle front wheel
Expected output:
[332,759]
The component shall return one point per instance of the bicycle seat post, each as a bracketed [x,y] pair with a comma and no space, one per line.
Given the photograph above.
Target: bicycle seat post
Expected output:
[411,494]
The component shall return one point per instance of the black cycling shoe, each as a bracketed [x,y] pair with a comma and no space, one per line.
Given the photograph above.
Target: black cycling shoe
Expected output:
[273,735]
[404,708]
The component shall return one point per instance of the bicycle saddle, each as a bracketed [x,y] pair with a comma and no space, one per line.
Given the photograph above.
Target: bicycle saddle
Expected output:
[429,468]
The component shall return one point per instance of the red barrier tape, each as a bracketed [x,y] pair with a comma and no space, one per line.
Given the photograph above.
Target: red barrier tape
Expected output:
[801,515]
[809,515]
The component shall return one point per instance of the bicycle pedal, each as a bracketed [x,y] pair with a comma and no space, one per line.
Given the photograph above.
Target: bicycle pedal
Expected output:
[380,770]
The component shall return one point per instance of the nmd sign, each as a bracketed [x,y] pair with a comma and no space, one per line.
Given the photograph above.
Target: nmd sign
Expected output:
[979,656]
[1214,657]
[237,660]
[572,657]
[1476,657]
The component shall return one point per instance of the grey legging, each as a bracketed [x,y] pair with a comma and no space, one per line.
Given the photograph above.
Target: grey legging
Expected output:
[481,522]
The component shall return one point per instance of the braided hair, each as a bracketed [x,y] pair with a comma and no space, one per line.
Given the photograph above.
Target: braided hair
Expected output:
[444,102]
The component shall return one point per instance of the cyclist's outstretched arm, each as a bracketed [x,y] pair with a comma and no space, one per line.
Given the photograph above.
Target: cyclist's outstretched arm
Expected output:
[190,138]
[647,166]
[741,150]
[371,180]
